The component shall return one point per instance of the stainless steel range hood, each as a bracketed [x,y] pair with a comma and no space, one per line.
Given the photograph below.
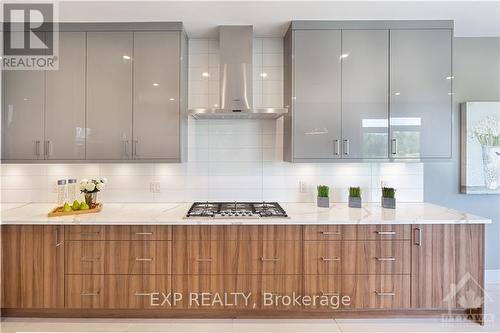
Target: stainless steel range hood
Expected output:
[236,44]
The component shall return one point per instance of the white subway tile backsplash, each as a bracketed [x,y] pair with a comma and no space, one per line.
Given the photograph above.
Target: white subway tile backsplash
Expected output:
[272,45]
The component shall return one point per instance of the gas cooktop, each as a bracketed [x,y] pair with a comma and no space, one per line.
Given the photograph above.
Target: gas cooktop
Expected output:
[245,210]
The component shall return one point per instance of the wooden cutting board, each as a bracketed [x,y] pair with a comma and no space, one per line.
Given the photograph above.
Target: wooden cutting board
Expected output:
[58,211]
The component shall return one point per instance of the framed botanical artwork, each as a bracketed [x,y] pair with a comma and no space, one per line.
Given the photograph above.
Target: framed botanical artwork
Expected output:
[480,148]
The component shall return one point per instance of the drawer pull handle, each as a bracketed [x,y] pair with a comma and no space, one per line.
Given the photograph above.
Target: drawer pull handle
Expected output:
[385,258]
[330,259]
[269,259]
[386,232]
[143,233]
[330,294]
[330,233]
[138,293]
[90,233]
[379,293]
[90,259]
[204,259]
[95,293]
[143,259]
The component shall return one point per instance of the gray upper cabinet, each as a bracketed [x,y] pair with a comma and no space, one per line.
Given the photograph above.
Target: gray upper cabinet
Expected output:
[421,101]
[156,112]
[316,94]
[365,105]
[65,101]
[109,95]
[23,114]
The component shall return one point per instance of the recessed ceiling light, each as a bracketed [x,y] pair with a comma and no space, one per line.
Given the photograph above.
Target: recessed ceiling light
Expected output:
[205,74]
[171,99]
[156,84]
[126,57]
[263,74]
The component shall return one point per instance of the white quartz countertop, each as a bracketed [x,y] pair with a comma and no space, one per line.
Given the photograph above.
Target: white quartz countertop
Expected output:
[299,213]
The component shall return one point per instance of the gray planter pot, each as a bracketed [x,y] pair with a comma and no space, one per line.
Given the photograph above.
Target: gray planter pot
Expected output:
[323,202]
[355,202]
[389,203]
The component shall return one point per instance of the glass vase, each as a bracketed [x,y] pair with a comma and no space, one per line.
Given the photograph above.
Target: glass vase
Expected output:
[91,199]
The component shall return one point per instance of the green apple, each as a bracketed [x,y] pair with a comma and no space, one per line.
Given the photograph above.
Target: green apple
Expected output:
[76,205]
[84,206]
[66,207]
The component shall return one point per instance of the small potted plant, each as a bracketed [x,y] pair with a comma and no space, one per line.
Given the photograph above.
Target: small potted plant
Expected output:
[323,196]
[354,197]
[90,188]
[388,199]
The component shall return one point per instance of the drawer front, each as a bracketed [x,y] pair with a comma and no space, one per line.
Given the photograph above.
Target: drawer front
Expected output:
[357,257]
[322,285]
[114,291]
[237,257]
[252,286]
[376,257]
[139,232]
[118,257]
[361,232]
[234,233]
[377,291]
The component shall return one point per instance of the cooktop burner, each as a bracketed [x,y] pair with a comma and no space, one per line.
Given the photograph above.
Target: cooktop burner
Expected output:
[221,210]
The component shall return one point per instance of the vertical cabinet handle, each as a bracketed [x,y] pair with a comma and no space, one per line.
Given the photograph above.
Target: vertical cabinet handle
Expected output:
[394,146]
[418,236]
[126,148]
[346,147]
[48,148]
[135,147]
[336,147]
[37,148]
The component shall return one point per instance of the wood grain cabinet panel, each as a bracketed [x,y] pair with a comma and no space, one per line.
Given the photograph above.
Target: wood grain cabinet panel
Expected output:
[114,291]
[133,232]
[445,257]
[377,291]
[360,232]
[233,233]
[118,257]
[32,266]
[322,285]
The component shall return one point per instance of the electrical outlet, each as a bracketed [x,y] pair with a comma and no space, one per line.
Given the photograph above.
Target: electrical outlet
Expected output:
[302,186]
[154,187]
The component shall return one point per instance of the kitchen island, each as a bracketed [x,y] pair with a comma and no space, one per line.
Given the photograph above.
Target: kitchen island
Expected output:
[147,260]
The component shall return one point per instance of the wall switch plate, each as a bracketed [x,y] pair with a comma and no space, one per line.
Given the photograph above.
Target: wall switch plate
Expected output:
[154,187]
[302,186]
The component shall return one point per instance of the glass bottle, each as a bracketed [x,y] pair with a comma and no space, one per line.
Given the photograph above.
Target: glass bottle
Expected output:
[61,192]
[72,190]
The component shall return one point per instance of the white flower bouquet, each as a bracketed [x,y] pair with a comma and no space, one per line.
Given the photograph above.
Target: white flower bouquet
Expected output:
[92,185]
[487,132]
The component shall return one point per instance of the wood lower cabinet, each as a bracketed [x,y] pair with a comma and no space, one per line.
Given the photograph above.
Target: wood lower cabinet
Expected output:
[32,266]
[253,270]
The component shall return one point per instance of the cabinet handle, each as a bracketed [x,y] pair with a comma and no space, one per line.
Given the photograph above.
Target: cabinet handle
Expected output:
[143,233]
[143,259]
[385,258]
[394,146]
[37,148]
[418,237]
[269,259]
[93,293]
[204,259]
[346,147]
[126,148]
[330,294]
[90,259]
[89,233]
[386,232]
[48,148]
[379,293]
[330,259]
[330,233]
[57,242]
[135,148]
[336,147]
[138,293]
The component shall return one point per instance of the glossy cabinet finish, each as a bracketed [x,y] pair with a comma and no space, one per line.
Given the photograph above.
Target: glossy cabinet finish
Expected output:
[317,94]
[156,120]
[365,105]
[23,114]
[65,101]
[109,95]
[420,78]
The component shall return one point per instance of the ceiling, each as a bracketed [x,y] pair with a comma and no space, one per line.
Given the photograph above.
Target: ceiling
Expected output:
[271,18]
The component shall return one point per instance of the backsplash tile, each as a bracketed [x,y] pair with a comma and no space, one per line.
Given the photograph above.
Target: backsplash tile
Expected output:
[228,160]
